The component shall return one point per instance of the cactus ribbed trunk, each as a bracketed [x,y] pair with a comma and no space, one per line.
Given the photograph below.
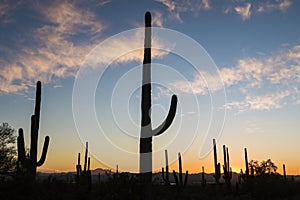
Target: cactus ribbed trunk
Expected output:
[146,129]
[146,126]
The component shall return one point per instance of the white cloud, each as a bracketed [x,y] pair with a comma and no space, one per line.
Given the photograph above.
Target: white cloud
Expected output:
[178,6]
[282,5]
[263,102]
[157,19]
[203,83]
[279,74]
[55,54]
[131,42]
[244,11]
[252,127]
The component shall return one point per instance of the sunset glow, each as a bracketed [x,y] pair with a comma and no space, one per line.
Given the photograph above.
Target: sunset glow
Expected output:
[243,88]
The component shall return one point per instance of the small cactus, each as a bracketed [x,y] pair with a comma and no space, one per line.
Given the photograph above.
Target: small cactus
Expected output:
[284,172]
[27,164]
[217,165]
[166,178]
[179,182]
[84,177]
[203,181]
[226,167]
[246,163]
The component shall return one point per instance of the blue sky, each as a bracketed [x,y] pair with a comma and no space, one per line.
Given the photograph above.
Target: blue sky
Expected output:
[255,46]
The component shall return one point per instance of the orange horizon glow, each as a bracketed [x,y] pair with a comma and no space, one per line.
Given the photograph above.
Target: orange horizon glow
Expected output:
[187,165]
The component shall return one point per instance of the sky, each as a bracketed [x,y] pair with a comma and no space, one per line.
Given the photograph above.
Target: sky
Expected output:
[234,66]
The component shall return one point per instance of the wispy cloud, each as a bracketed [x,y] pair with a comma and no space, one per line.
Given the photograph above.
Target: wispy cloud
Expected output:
[279,74]
[158,19]
[131,42]
[179,6]
[262,102]
[248,8]
[54,54]
[7,9]
[58,52]
[253,127]
[244,8]
[244,11]
[282,5]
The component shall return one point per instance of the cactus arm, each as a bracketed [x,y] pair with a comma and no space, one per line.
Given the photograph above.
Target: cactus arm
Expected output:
[21,146]
[186,177]
[175,178]
[168,121]
[44,152]
[85,157]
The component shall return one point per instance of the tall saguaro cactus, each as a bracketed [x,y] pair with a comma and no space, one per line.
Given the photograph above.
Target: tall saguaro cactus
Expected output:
[27,164]
[146,126]
[217,165]
[226,167]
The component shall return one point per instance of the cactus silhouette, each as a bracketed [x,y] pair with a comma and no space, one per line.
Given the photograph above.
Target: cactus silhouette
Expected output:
[166,179]
[27,164]
[226,167]
[284,172]
[84,177]
[217,165]
[247,164]
[179,182]
[146,126]
[203,181]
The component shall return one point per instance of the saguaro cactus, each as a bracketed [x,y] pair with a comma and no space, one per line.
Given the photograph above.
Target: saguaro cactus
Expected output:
[84,177]
[27,164]
[146,126]
[226,167]
[284,172]
[166,179]
[246,163]
[179,182]
[203,181]
[217,165]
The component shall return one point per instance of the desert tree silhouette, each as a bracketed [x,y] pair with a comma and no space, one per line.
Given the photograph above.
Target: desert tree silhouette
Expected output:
[8,153]
[263,168]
